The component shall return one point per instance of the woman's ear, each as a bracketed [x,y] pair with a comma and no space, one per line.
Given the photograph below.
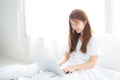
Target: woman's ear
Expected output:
[85,22]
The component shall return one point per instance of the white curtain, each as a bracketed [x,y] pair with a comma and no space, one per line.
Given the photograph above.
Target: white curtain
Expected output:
[47,23]
[115,18]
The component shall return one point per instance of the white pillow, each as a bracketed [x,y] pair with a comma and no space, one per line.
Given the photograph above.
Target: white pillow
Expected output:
[110,57]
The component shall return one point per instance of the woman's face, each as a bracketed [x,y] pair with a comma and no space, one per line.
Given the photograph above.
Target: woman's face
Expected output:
[77,25]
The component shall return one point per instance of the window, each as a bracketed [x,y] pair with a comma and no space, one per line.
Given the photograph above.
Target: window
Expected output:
[49,18]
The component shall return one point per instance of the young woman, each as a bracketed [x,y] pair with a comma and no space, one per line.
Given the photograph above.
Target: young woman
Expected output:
[83,51]
[83,44]
[79,61]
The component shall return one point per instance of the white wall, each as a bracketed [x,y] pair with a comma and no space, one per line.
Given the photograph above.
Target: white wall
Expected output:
[13,41]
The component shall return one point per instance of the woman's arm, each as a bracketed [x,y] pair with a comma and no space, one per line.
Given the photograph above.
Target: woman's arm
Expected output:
[90,64]
[64,58]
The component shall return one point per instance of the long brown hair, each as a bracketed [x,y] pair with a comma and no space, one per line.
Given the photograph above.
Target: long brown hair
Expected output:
[74,37]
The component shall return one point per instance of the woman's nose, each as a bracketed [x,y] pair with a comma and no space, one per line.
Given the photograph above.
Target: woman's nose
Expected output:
[75,27]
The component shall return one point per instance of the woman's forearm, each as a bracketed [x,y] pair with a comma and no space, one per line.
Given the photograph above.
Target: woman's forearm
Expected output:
[90,64]
[63,59]
[84,66]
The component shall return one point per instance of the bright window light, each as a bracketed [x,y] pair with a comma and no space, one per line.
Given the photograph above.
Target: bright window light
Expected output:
[49,18]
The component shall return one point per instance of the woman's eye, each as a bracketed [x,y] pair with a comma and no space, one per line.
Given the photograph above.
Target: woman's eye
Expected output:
[76,24]
[72,24]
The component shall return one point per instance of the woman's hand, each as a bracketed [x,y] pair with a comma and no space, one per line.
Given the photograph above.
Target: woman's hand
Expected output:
[69,69]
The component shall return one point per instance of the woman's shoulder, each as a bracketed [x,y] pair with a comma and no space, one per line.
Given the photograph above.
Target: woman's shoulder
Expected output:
[94,45]
[95,40]
[95,37]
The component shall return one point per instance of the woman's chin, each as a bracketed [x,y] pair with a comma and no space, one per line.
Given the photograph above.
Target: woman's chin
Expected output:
[78,32]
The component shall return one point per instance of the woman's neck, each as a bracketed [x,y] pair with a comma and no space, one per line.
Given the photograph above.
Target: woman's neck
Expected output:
[81,36]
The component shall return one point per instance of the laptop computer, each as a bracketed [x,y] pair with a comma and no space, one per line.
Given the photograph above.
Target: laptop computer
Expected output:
[49,65]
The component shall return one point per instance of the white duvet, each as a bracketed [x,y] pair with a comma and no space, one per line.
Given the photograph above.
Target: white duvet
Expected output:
[32,72]
[17,71]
